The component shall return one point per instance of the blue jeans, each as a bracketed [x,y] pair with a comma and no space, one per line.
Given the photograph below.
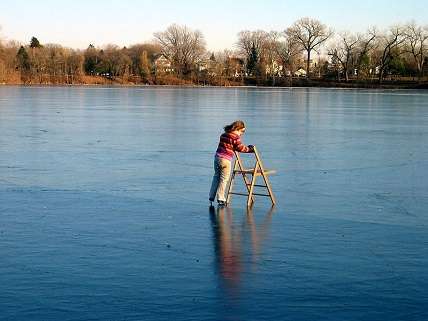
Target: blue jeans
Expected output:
[221,176]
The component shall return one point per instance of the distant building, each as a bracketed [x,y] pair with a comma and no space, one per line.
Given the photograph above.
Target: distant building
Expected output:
[237,66]
[377,70]
[163,64]
[203,65]
[300,72]
[274,68]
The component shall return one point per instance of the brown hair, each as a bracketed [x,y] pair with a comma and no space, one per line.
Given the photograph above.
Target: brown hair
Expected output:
[236,125]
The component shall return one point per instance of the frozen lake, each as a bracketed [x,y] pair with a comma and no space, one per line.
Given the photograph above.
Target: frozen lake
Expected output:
[104,212]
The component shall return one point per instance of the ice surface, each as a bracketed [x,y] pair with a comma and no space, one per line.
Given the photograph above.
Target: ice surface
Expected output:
[104,212]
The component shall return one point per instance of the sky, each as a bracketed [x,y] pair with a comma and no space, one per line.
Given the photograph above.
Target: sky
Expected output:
[78,23]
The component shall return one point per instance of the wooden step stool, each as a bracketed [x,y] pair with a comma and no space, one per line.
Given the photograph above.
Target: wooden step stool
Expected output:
[250,175]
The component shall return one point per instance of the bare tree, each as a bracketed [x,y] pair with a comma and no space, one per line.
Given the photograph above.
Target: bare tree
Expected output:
[247,40]
[3,67]
[366,45]
[74,65]
[234,66]
[115,61]
[55,62]
[251,45]
[38,63]
[218,69]
[344,52]
[389,43]
[310,34]
[268,61]
[286,49]
[417,42]
[142,57]
[282,51]
[182,46]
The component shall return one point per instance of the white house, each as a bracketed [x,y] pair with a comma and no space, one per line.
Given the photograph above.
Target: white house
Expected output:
[274,69]
[300,72]
[163,64]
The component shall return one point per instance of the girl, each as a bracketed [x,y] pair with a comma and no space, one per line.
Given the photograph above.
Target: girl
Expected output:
[230,141]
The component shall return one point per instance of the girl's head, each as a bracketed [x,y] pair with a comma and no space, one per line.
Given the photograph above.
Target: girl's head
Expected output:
[237,126]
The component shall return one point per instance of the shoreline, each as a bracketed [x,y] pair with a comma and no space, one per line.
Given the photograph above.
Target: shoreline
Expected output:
[327,85]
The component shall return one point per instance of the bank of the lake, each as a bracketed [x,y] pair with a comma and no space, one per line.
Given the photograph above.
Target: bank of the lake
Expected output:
[409,83]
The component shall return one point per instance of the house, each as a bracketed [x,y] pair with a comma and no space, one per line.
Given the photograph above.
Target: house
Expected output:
[375,71]
[236,65]
[203,65]
[300,72]
[163,64]
[274,68]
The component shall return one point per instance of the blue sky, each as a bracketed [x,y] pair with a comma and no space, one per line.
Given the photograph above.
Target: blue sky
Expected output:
[77,23]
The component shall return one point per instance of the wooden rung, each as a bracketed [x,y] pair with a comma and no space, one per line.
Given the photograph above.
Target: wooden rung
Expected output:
[246,194]
[251,171]
[249,184]
[236,193]
[261,194]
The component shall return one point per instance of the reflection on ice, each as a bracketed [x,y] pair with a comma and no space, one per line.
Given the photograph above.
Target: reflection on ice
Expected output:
[235,238]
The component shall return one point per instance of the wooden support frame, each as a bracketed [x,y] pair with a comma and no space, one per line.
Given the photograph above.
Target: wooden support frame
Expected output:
[249,176]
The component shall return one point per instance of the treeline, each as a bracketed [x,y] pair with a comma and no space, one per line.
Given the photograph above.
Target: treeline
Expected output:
[307,50]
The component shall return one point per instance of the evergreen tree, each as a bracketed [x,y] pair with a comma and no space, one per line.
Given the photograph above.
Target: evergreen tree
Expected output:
[144,65]
[396,65]
[252,61]
[23,59]
[34,43]
[91,60]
